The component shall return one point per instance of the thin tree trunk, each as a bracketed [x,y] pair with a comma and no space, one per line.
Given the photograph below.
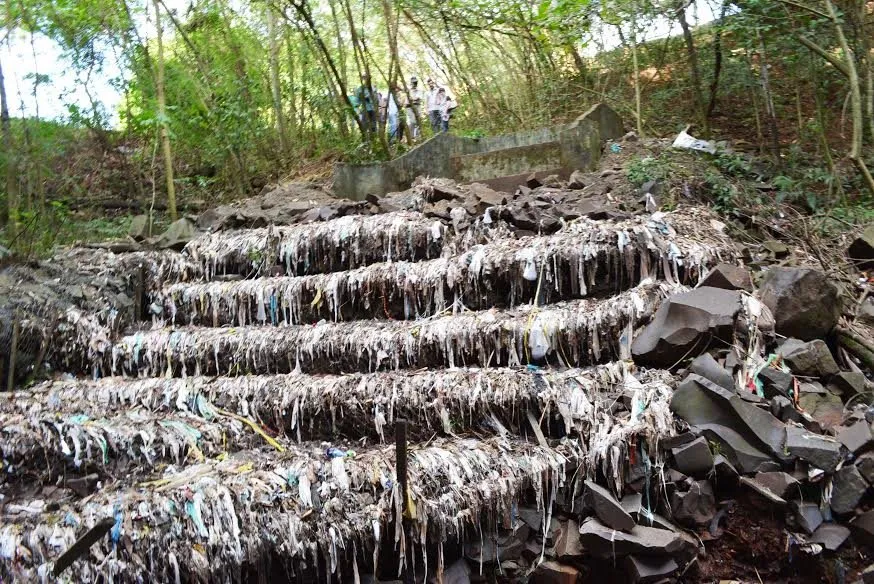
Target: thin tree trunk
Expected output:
[695,71]
[637,108]
[162,114]
[278,112]
[11,214]
[769,101]
[717,62]
[855,154]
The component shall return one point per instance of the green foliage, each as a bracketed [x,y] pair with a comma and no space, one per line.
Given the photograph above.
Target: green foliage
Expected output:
[645,169]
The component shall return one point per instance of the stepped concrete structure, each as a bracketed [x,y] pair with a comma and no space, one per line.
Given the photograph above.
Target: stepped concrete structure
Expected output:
[244,428]
[503,162]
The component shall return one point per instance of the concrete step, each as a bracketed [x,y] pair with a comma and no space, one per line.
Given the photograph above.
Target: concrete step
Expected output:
[339,244]
[591,258]
[576,333]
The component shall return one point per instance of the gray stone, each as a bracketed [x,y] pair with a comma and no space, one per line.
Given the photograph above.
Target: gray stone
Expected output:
[848,488]
[177,235]
[577,180]
[706,366]
[696,506]
[865,314]
[763,491]
[604,542]
[699,401]
[865,464]
[693,459]
[139,227]
[608,509]
[806,516]
[672,442]
[457,573]
[862,528]
[780,483]
[830,536]
[818,450]
[735,447]
[531,517]
[567,541]
[685,322]
[778,248]
[775,382]
[506,546]
[856,437]
[861,251]
[809,359]
[848,383]
[826,408]
[728,277]
[633,504]
[804,302]
[724,470]
[783,409]
[868,575]
[552,572]
[647,569]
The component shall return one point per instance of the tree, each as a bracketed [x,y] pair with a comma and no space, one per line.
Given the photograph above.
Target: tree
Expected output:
[162,116]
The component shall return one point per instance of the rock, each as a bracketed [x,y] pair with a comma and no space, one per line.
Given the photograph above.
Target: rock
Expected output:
[694,458]
[783,409]
[706,366]
[865,464]
[632,503]
[457,573]
[865,314]
[567,541]
[856,437]
[806,516]
[862,528]
[604,542]
[728,277]
[826,408]
[696,506]
[487,197]
[700,401]
[685,320]
[811,359]
[531,517]
[177,235]
[739,452]
[848,488]
[818,450]
[776,382]
[780,483]
[868,575]
[552,572]
[803,301]
[848,383]
[861,251]
[724,470]
[830,536]
[778,248]
[608,509]
[577,180]
[532,182]
[139,227]
[763,491]
[506,546]
[644,569]
[671,442]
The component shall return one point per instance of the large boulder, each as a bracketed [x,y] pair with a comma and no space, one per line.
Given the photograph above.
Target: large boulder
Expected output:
[861,251]
[804,302]
[603,542]
[811,359]
[178,234]
[685,323]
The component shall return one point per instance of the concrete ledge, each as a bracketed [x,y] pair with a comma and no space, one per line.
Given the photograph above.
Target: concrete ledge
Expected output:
[556,149]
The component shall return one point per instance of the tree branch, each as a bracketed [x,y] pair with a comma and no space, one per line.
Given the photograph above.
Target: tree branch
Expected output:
[836,63]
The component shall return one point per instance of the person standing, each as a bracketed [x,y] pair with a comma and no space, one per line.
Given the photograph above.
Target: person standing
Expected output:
[434,103]
[367,104]
[446,110]
[413,107]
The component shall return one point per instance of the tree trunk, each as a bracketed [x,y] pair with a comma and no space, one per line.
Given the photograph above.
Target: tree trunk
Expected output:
[695,71]
[855,154]
[278,112]
[637,109]
[11,215]
[162,115]
[717,62]
[769,101]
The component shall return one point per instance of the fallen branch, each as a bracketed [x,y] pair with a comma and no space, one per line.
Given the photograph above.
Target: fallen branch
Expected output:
[857,345]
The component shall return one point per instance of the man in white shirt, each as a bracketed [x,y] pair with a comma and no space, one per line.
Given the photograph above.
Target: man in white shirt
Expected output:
[413,107]
[434,103]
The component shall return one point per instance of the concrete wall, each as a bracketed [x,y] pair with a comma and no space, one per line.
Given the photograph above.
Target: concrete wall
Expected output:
[496,159]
